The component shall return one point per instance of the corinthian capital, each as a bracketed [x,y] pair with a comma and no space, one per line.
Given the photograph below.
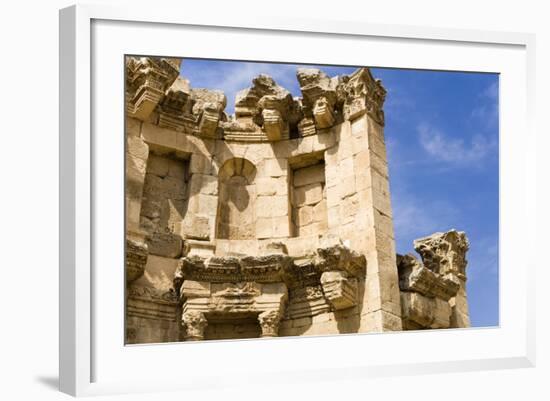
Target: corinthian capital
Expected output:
[195,323]
[269,322]
[444,253]
[363,94]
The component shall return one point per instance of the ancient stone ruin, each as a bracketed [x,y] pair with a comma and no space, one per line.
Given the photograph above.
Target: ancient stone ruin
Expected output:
[274,221]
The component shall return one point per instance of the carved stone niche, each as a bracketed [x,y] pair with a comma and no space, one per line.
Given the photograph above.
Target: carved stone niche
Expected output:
[147,80]
[136,259]
[363,94]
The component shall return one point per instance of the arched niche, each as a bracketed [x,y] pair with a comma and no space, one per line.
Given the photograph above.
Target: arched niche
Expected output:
[237,194]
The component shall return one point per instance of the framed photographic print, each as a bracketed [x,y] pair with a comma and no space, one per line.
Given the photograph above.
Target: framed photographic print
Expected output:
[257,192]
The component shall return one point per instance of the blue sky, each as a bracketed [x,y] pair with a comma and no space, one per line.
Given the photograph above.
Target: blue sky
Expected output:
[442,138]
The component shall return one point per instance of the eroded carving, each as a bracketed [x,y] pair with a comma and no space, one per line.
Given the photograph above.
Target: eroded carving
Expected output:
[136,259]
[195,323]
[269,322]
[208,106]
[340,289]
[444,253]
[147,79]
[431,289]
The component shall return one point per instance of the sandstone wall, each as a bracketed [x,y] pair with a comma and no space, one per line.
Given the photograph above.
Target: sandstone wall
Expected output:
[275,221]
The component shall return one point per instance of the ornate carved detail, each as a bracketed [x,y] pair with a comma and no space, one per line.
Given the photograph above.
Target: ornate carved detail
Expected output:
[323,113]
[319,96]
[241,286]
[152,294]
[174,110]
[444,253]
[306,301]
[269,322]
[268,106]
[430,289]
[261,269]
[274,112]
[136,259]
[363,94]
[272,268]
[339,289]
[340,257]
[413,276]
[238,290]
[147,79]
[195,323]
[306,127]
[208,106]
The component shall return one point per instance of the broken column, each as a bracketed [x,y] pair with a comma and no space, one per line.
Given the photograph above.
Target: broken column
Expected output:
[445,254]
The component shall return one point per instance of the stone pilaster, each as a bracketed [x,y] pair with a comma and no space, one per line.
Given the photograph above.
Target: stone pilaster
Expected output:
[362,151]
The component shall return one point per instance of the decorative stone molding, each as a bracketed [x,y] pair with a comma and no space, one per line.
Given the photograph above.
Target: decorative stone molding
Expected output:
[307,301]
[268,106]
[444,253]
[274,113]
[339,289]
[363,94]
[431,289]
[323,113]
[269,322]
[413,276]
[174,110]
[195,323]
[319,96]
[240,286]
[147,79]
[208,109]
[136,259]
[261,269]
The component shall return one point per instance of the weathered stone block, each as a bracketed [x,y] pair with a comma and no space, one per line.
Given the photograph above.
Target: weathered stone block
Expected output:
[340,289]
[308,194]
[165,244]
[309,175]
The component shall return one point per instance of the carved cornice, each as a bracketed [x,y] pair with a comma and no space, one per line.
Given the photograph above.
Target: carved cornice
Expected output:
[413,276]
[147,80]
[136,259]
[294,272]
[339,289]
[261,269]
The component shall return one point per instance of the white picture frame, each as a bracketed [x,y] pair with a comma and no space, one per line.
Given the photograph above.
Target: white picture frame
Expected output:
[88,365]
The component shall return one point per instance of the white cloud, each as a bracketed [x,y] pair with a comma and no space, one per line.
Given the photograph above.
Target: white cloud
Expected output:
[491,91]
[443,148]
